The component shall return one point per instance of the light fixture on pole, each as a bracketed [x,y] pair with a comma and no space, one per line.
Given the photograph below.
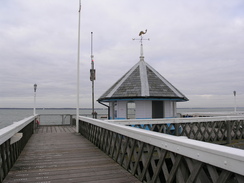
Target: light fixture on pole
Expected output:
[35,87]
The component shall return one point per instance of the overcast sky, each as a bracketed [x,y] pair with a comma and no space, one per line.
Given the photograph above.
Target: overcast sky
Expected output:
[196,45]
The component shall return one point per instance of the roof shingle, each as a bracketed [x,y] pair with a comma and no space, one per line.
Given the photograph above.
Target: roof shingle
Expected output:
[142,81]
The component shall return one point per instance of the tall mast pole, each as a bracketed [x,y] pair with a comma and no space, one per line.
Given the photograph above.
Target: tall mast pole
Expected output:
[92,76]
[34,111]
[78,74]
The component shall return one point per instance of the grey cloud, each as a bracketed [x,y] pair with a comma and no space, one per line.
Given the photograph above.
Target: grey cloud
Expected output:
[196,45]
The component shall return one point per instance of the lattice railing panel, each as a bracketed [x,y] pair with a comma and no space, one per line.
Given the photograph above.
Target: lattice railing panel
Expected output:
[150,163]
[215,131]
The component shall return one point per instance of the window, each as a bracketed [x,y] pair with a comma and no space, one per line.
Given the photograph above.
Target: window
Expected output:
[131,110]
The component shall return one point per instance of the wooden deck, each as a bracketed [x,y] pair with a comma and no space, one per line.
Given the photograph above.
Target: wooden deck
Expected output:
[58,154]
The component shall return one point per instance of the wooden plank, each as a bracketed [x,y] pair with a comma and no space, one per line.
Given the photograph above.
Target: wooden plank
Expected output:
[57,129]
[61,155]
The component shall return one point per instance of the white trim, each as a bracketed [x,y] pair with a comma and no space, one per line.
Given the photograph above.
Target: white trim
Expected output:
[176,91]
[144,79]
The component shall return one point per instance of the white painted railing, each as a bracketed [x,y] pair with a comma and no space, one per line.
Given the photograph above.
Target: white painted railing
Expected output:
[13,138]
[220,130]
[9,131]
[55,119]
[176,120]
[227,158]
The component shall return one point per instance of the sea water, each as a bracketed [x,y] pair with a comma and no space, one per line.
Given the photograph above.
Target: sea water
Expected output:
[8,116]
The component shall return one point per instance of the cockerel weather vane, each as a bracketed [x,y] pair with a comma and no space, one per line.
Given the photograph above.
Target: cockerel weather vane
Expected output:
[141,40]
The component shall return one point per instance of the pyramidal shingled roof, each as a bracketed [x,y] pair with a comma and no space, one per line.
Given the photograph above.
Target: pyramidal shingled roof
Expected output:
[142,82]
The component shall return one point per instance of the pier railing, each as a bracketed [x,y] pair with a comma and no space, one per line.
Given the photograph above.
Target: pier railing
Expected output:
[56,119]
[159,157]
[221,130]
[13,139]
[62,119]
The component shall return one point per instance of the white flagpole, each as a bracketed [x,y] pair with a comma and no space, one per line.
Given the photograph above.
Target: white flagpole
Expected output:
[78,74]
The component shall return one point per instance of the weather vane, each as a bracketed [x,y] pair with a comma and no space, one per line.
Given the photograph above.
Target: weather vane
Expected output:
[141,39]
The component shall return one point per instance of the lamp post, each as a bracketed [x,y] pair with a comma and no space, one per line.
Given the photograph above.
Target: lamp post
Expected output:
[35,86]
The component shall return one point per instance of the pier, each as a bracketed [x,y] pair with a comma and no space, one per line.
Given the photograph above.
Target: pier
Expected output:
[59,154]
[149,150]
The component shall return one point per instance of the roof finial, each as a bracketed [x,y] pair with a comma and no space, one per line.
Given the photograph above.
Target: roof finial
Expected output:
[141,39]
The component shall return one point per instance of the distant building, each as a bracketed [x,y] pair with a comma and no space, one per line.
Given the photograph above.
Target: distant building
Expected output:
[142,93]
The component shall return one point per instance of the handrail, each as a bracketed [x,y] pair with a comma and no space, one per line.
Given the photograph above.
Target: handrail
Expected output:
[176,120]
[227,158]
[13,138]
[221,129]
[60,119]
[7,132]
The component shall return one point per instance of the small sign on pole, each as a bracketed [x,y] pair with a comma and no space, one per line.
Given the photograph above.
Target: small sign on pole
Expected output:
[234,92]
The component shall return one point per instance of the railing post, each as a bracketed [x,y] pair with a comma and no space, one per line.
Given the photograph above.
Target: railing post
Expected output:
[228,128]
[63,119]
[4,160]
[70,120]
[8,155]
[35,125]
[177,129]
